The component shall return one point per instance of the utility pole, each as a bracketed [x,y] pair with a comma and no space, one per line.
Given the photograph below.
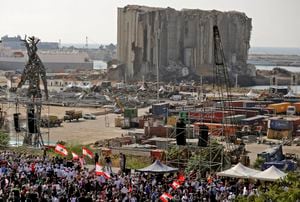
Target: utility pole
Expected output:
[236,80]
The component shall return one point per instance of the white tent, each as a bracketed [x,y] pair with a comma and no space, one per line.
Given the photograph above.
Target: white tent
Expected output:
[251,94]
[238,171]
[290,94]
[270,174]
[142,88]
[158,167]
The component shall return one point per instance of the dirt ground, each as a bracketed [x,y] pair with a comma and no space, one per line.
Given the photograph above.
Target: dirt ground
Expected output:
[83,131]
[254,149]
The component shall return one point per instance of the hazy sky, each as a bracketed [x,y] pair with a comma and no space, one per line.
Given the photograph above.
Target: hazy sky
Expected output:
[276,23]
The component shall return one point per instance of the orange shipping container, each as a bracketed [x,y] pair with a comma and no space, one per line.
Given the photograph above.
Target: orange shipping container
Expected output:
[297,105]
[280,107]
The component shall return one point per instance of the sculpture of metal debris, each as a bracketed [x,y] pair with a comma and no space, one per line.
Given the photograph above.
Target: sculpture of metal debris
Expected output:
[33,71]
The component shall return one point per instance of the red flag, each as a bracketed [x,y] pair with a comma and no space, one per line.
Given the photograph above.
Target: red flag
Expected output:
[61,150]
[75,156]
[181,179]
[175,184]
[165,197]
[99,171]
[87,152]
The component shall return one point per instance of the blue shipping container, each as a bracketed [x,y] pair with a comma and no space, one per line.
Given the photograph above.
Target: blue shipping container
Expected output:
[280,124]
[160,109]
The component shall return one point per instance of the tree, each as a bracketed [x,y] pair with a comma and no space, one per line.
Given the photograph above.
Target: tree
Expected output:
[4,139]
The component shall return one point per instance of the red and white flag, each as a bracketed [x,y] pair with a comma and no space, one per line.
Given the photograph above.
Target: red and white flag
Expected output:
[75,156]
[99,171]
[165,197]
[175,184]
[87,152]
[61,150]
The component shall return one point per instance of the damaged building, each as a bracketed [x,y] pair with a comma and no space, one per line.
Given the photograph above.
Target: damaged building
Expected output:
[179,42]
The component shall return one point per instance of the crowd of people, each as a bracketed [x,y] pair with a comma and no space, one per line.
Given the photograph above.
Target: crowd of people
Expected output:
[27,177]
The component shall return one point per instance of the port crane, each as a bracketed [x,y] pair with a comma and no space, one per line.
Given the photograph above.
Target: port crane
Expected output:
[222,81]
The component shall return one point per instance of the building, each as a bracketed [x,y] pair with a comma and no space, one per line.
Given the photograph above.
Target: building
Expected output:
[179,42]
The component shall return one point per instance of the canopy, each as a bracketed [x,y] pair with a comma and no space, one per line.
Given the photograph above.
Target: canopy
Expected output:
[251,94]
[290,94]
[158,167]
[238,171]
[270,174]
[142,88]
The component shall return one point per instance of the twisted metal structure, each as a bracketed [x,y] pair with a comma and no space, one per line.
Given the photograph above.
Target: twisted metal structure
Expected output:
[33,71]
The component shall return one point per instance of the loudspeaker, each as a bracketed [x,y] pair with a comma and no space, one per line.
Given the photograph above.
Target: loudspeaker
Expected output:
[31,122]
[203,136]
[17,123]
[180,133]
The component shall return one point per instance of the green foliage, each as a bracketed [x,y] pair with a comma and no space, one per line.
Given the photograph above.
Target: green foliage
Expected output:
[137,162]
[208,159]
[286,190]
[258,162]
[4,139]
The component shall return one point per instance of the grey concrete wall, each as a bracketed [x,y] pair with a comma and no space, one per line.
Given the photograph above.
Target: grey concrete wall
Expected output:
[182,38]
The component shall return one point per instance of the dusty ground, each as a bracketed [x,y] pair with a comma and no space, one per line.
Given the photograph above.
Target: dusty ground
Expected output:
[83,131]
[254,149]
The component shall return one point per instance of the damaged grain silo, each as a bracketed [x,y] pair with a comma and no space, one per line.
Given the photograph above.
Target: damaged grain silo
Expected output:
[183,41]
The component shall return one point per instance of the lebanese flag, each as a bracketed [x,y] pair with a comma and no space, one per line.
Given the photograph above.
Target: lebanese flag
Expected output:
[87,152]
[61,150]
[75,156]
[99,171]
[175,184]
[165,197]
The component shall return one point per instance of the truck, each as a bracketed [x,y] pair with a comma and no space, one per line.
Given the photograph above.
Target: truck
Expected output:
[71,115]
[50,121]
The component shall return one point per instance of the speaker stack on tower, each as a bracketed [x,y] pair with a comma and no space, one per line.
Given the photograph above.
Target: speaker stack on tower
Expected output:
[180,133]
[17,122]
[203,136]
[32,128]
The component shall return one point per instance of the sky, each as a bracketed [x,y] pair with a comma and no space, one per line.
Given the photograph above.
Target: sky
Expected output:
[276,23]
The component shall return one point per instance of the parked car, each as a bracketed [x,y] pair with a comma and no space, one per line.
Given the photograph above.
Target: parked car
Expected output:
[89,116]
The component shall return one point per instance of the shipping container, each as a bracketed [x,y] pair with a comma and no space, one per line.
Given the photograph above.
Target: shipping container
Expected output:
[234,119]
[248,113]
[160,109]
[183,115]
[280,124]
[130,112]
[216,128]
[209,116]
[280,107]
[172,120]
[297,105]
[279,134]
[255,120]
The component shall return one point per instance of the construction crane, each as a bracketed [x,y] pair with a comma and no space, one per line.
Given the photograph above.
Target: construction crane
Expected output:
[223,85]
